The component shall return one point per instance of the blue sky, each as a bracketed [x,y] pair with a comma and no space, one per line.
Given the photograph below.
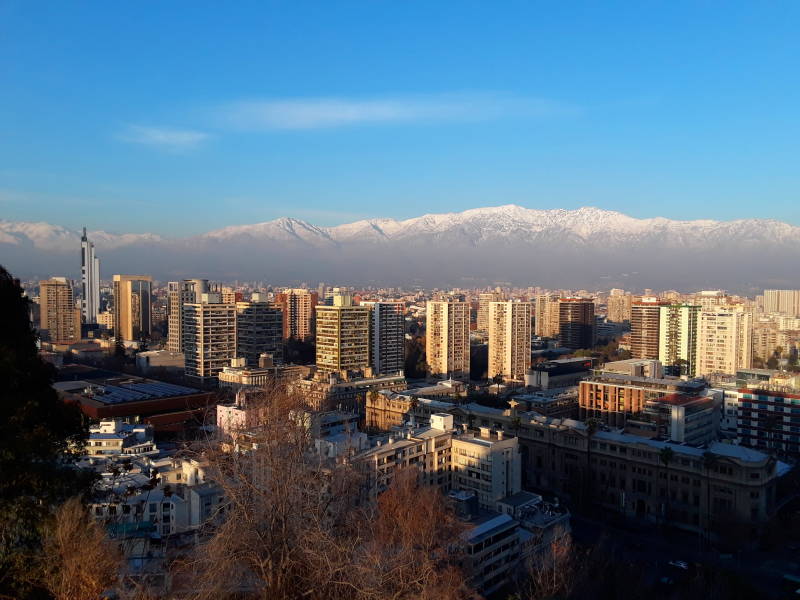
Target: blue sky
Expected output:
[178,118]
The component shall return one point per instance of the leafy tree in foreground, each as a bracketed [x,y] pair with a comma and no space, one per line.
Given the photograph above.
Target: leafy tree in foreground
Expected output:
[37,430]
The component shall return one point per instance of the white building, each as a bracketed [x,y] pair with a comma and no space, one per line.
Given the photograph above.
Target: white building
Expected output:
[447,338]
[724,340]
[387,337]
[509,340]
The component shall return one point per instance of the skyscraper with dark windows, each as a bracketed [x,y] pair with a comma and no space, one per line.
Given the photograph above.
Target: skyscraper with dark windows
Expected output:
[90,281]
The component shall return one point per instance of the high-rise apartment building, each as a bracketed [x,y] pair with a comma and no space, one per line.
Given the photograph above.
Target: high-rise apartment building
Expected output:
[619,306]
[387,337]
[484,300]
[209,336]
[132,307]
[259,330]
[179,293]
[299,308]
[447,338]
[90,281]
[576,323]
[645,323]
[343,336]
[59,319]
[677,337]
[725,341]
[509,340]
[785,302]
[546,316]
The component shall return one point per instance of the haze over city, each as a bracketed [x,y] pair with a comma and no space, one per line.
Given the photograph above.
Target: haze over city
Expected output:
[371,300]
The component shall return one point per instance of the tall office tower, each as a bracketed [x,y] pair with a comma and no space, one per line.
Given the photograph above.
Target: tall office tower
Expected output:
[59,320]
[179,293]
[645,322]
[509,339]
[447,338]
[546,315]
[786,302]
[132,307]
[387,337]
[484,300]
[677,337]
[725,341]
[90,281]
[619,306]
[259,329]
[299,308]
[576,323]
[343,336]
[209,336]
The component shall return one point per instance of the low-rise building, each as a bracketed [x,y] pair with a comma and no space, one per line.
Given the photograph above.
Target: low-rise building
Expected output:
[326,391]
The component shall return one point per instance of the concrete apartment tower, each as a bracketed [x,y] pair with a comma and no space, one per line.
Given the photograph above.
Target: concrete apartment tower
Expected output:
[645,323]
[179,293]
[576,323]
[484,300]
[132,307]
[387,337]
[299,308]
[447,338]
[59,319]
[785,302]
[509,340]
[677,337]
[259,330]
[546,314]
[725,341]
[209,336]
[619,306]
[90,281]
[343,336]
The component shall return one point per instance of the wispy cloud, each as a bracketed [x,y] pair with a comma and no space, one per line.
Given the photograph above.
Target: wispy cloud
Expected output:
[316,113]
[163,137]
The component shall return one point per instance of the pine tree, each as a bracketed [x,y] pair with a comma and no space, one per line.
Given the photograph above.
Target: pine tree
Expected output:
[37,431]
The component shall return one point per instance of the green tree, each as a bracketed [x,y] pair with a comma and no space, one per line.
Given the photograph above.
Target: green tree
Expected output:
[37,432]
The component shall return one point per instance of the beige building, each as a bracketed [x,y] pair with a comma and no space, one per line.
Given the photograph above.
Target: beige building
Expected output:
[209,337]
[132,307]
[484,300]
[328,392]
[488,464]
[546,315]
[179,293]
[343,336]
[619,306]
[298,306]
[447,338]
[725,341]
[786,302]
[509,339]
[106,320]
[60,320]
[645,324]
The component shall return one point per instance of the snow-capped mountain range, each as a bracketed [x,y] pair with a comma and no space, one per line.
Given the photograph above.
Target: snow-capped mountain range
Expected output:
[582,247]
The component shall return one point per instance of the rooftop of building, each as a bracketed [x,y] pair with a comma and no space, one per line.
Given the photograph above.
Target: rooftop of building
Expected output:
[119,388]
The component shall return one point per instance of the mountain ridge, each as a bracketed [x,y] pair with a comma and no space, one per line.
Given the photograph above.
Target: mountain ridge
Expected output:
[511,243]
